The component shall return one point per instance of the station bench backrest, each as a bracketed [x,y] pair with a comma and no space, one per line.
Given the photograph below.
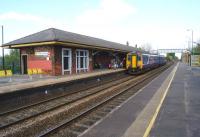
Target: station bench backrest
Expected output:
[9,73]
[35,71]
[30,72]
[4,73]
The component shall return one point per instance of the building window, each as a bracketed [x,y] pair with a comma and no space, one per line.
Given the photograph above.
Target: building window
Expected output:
[82,60]
[66,61]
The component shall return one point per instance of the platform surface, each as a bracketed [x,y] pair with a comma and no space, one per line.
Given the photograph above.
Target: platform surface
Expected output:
[15,83]
[180,113]
[117,123]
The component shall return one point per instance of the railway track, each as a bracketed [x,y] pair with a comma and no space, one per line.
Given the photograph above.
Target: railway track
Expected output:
[18,115]
[40,94]
[76,126]
[66,109]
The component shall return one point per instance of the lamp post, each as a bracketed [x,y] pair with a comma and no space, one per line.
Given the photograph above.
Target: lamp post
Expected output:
[192,39]
[2,49]
[192,46]
[192,42]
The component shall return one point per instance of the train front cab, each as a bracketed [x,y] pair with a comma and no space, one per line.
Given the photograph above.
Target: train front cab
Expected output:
[133,63]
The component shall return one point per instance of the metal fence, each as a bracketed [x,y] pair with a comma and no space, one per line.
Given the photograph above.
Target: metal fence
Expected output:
[14,67]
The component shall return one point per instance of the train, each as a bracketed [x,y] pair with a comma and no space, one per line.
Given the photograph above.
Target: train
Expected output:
[138,62]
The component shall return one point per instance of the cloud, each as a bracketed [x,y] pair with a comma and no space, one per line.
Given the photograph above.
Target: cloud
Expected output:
[17,25]
[102,21]
[106,20]
[117,20]
[113,20]
[108,12]
[21,17]
[158,36]
[17,16]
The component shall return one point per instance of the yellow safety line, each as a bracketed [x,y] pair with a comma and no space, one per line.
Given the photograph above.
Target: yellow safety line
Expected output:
[146,134]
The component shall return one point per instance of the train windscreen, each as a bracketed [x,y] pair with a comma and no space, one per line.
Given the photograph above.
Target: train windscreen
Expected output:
[129,57]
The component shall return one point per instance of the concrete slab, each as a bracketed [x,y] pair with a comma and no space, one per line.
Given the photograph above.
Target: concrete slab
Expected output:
[117,122]
[180,112]
[25,82]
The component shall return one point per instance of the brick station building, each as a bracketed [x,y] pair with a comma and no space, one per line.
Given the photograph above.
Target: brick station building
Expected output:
[59,52]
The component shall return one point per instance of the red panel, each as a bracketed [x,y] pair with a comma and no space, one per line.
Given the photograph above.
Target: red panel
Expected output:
[43,64]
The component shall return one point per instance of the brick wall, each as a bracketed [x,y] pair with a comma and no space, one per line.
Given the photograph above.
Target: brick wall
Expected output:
[39,61]
[53,64]
[57,63]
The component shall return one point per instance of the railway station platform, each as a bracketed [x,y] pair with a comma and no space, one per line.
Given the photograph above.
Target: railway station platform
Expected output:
[180,112]
[169,106]
[21,82]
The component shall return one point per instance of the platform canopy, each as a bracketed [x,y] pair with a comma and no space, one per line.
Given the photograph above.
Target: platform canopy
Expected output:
[54,36]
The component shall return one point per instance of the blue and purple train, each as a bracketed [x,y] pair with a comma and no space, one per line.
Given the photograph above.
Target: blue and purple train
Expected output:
[137,62]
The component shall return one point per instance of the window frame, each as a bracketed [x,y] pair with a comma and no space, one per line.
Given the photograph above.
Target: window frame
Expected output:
[69,59]
[85,57]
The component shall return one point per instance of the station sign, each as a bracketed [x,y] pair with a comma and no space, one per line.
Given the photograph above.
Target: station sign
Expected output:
[42,54]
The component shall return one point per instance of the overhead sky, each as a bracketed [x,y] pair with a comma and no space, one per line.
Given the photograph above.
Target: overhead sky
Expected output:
[159,23]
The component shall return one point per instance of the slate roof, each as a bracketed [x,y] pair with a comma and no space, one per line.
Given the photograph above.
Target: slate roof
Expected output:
[53,34]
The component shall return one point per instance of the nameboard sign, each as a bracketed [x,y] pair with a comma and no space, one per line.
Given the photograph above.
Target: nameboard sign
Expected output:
[42,54]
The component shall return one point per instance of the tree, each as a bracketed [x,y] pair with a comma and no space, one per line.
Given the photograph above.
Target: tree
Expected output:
[146,47]
[12,60]
[196,49]
[171,56]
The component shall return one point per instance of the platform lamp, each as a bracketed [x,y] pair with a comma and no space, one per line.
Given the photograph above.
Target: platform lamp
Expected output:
[2,49]
[192,38]
[192,44]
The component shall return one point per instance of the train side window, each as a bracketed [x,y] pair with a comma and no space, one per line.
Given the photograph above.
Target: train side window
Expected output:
[129,57]
[139,58]
[145,59]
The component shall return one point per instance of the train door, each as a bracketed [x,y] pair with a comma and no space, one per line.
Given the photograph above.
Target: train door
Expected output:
[128,61]
[139,61]
[134,61]
[131,61]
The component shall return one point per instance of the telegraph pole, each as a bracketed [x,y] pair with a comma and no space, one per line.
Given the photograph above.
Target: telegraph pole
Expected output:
[2,49]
